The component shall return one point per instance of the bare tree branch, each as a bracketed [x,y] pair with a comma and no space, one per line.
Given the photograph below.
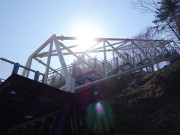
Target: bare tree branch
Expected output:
[164,16]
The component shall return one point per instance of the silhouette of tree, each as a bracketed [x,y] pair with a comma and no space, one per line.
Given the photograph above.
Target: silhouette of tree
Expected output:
[167,14]
[149,33]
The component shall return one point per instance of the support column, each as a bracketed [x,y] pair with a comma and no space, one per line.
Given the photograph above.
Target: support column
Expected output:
[70,82]
[48,61]
[113,58]
[117,63]
[134,57]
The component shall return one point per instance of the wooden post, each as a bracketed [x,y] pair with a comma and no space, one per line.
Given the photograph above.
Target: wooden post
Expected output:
[16,68]
[36,76]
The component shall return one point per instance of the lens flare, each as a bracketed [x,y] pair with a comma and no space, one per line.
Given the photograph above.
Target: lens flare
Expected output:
[99,108]
[95,93]
[99,118]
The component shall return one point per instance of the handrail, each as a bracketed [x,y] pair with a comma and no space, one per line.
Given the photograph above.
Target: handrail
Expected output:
[16,68]
[11,62]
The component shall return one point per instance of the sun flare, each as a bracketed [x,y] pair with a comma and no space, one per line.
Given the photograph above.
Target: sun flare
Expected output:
[85,37]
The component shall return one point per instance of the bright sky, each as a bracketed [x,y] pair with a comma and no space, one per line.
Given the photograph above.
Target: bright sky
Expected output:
[25,25]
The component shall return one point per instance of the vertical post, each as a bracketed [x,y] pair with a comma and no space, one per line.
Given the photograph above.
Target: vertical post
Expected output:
[48,62]
[42,79]
[117,63]
[36,76]
[16,68]
[95,61]
[74,70]
[134,57]
[127,56]
[113,58]
[140,57]
[105,59]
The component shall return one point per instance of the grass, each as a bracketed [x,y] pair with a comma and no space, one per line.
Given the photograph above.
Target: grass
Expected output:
[147,103]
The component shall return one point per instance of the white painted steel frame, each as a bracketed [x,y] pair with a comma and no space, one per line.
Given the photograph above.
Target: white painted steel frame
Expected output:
[134,47]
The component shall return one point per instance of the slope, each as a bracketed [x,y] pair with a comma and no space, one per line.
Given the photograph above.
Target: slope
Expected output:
[147,103]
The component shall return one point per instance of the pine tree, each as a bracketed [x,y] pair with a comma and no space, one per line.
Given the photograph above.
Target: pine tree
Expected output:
[167,16]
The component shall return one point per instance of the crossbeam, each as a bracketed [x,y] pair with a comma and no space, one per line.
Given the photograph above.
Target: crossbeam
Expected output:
[106,58]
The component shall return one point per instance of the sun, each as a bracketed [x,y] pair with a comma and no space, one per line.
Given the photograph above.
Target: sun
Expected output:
[85,37]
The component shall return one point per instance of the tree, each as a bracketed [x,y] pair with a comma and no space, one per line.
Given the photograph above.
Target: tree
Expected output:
[149,34]
[167,14]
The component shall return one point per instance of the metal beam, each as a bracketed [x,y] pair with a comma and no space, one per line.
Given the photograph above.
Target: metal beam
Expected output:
[48,62]
[78,58]
[119,54]
[102,39]
[52,69]
[95,71]
[105,59]
[83,87]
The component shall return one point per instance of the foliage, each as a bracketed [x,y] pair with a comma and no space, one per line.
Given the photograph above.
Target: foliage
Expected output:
[167,14]
[148,103]
[149,33]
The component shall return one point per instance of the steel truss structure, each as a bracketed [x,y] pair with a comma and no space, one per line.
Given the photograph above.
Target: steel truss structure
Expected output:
[107,58]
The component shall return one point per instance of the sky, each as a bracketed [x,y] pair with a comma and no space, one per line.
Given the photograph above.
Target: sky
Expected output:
[25,25]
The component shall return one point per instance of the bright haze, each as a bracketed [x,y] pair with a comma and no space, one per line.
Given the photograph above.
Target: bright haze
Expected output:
[25,25]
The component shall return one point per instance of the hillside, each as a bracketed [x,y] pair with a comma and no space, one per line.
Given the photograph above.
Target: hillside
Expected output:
[146,103]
